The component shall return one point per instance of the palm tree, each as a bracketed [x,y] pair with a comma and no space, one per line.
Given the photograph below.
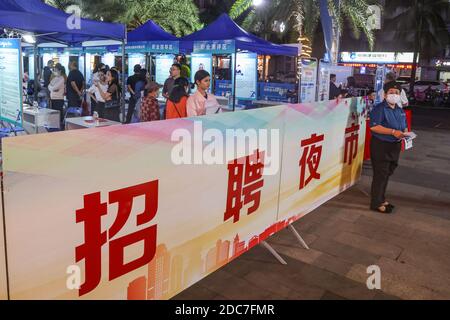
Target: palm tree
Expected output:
[304,15]
[418,25]
[179,17]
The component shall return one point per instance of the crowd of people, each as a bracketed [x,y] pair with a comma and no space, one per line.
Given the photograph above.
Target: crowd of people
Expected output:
[102,97]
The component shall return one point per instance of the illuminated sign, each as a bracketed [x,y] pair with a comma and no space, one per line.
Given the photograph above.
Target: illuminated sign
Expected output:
[377,57]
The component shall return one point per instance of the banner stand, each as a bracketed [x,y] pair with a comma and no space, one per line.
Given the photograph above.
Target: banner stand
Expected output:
[273,252]
[298,236]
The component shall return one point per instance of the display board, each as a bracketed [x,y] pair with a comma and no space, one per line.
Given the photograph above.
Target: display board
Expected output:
[247,76]
[308,80]
[186,205]
[201,61]
[134,59]
[162,67]
[323,93]
[11,81]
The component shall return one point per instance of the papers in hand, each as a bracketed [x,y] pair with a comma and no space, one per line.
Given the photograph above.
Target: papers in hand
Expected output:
[409,137]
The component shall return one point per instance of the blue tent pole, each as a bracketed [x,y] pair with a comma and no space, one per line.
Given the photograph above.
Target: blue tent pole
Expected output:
[234,79]
[36,70]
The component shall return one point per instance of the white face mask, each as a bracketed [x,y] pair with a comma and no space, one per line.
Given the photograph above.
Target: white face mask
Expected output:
[393,98]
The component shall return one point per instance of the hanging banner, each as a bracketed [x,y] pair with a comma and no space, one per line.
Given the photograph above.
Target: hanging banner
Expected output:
[308,80]
[11,81]
[215,46]
[200,61]
[74,51]
[223,88]
[272,91]
[145,232]
[247,76]
[163,47]
[380,74]
[96,50]
[324,81]
[162,68]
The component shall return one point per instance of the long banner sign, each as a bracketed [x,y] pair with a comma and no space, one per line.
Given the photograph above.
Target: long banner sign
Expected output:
[144,211]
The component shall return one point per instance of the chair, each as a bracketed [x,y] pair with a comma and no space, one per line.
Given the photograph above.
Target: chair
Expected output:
[75,111]
[6,131]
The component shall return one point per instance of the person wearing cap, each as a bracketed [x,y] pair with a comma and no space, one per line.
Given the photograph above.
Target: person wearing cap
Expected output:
[131,85]
[201,103]
[388,127]
[150,106]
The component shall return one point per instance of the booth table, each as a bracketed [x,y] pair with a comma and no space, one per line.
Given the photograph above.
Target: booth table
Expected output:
[87,122]
[369,134]
[34,119]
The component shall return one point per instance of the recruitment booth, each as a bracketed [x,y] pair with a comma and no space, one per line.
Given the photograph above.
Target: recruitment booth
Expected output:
[34,22]
[230,55]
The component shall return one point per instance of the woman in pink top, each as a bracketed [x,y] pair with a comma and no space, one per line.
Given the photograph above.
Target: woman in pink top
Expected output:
[201,103]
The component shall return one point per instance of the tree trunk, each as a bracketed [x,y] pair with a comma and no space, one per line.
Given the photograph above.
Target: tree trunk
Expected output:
[417,45]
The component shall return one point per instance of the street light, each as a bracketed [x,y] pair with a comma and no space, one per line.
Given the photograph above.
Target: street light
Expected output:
[29,38]
[257,3]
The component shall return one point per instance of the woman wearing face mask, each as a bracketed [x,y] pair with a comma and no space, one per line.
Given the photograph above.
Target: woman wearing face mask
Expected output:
[57,89]
[201,103]
[176,104]
[388,126]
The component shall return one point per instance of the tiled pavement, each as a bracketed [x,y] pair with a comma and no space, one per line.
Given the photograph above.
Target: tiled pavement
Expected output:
[411,247]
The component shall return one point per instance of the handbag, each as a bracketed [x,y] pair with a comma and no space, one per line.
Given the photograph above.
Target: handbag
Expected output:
[113,103]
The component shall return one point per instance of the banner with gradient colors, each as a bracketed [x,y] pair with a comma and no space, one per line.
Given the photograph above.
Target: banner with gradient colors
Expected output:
[75,199]
[3,285]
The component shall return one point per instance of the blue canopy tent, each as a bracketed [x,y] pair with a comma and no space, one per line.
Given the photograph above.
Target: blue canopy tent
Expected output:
[150,31]
[48,24]
[224,28]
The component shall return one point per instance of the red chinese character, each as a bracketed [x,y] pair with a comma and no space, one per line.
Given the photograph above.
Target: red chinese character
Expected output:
[351,143]
[311,158]
[91,215]
[244,181]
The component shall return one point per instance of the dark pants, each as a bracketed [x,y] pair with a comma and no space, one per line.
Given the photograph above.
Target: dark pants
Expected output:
[93,106]
[112,114]
[384,157]
[131,108]
[59,105]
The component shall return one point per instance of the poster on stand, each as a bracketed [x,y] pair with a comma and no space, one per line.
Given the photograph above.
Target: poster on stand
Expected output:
[162,67]
[135,59]
[246,76]
[201,61]
[308,80]
[11,81]
[324,81]
[3,282]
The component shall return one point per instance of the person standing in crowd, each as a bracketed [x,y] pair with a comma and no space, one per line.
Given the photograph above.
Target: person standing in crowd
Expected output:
[334,90]
[201,103]
[140,87]
[111,96]
[99,70]
[175,73]
[404,102]
[371,97]
[47,76]
[96,96]
[150,106]
[176,104]
[351,87]
[388,126]
[185,70]
[131,86]
[75,86]
[57,87]
[48,71]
